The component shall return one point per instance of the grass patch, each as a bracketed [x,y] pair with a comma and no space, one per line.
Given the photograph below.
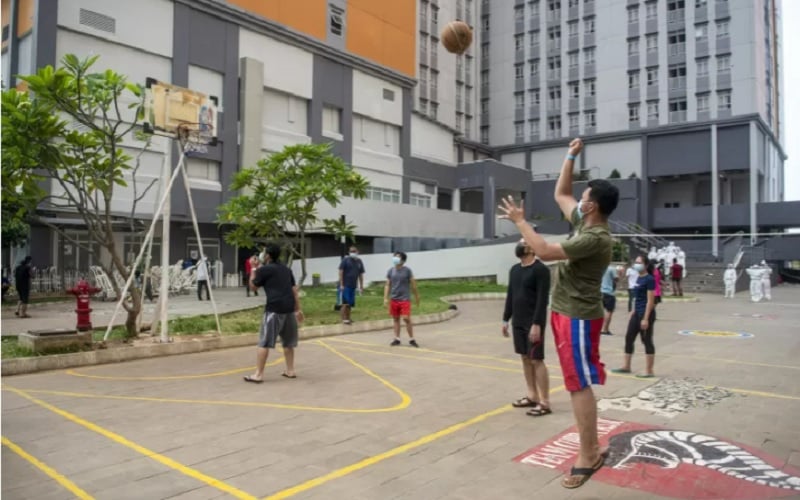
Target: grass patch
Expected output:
[13,349]
[318,307]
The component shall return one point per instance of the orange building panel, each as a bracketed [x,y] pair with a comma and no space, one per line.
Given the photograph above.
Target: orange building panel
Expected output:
[305,16]
[6,15]
[384,32]
[25,16]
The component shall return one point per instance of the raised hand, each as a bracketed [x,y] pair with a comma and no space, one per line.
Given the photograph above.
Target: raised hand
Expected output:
[510,210]
[575,147]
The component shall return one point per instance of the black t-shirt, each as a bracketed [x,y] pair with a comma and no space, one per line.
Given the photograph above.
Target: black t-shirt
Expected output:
[22,276]
[528,295]
[278,282]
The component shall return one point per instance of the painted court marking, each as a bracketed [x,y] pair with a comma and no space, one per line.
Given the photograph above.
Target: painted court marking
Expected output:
[716,334]
[54,474]
[172,464]
[75,373]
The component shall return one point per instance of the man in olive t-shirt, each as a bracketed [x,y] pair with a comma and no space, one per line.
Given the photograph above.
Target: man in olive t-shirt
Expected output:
[577,310]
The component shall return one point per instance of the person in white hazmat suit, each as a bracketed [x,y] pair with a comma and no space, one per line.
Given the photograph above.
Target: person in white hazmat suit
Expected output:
[729,278]
[766,281]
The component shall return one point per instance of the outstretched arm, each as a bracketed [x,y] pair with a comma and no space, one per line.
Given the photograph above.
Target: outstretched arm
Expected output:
[516,214]
[563,193]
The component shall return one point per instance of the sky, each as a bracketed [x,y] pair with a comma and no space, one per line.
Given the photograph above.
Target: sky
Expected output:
[791,97]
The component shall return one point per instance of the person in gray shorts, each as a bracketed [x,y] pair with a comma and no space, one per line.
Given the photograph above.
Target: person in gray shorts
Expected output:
[281,314]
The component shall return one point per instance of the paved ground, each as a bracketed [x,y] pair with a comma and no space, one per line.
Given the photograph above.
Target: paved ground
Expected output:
[367,421]
[62,314]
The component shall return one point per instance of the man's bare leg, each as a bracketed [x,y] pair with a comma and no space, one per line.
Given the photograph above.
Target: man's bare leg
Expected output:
[396,327]
[288,353]
[345,312]
[261,360]
[584,406]
[409,327]
[530,381]
[542,381]
[606,321]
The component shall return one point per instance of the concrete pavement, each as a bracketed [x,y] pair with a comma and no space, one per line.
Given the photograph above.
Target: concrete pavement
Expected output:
[367,421]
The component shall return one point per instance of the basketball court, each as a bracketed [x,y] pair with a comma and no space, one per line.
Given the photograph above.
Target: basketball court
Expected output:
[365,420]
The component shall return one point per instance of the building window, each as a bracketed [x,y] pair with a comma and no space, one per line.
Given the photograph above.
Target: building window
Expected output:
[573,59]
[419,200]
[434,80]
[423,14]
[554,127]
[519,130]
[519,100]
[701,32]
[435,110]
[383,194]
[485,23]
[485,79]
[588,25]
[589,88]
[534,69]
[554,95]
[535,9]
[459,122]
[468,126]
[518,72]
[633,47]
[573,3]
[332,122]
[202,169]
[423,105]
[485,135]
[724,64]
[677,77]
[574,121]
[534,129]
[519,42]
[724,100]
[676,5]
[633,113]
[534,41]
[485,107]
[652,76]
[700,4]
[535,97]
[554,38]
[633,79]
[702,103]
[590,119]
[588,55]
[651,10]
[434,16]
[722,29]
[337,18]
[572,28]
[652,110]
[633,15]
[702,67]
[574,90]
[652,43]
[519,13]
[554,68]
[677,111]
[677,43]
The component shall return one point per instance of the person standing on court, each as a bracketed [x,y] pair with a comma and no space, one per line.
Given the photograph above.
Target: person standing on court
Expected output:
[642,319]
[577,310]
[351,278]
[526,306]
[399,281]
[676,273]
[281,314]
[607,288]
[202,278]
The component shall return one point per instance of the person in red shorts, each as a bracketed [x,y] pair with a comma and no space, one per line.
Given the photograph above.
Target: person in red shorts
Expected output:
[399,281]
[577,307]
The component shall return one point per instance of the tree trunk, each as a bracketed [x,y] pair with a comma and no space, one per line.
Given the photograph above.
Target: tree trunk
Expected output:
[135,307]
[303,273]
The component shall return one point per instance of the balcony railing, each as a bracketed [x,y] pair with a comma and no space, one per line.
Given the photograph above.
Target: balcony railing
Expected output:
[677,49]
[677,82]
[677,116]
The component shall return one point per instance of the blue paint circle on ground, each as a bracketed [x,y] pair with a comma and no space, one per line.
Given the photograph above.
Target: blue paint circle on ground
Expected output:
[716,333]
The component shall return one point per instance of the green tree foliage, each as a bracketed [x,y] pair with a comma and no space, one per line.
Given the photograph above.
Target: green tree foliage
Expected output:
[280,198]
[615,174]
[69,132]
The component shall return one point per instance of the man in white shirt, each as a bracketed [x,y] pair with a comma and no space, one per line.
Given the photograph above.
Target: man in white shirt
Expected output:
[202,278]
[632,276]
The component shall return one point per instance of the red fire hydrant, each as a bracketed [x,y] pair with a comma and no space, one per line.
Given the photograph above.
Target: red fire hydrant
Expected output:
[82,292]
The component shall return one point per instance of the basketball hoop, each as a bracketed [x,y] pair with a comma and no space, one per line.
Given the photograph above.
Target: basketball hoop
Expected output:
[195,137]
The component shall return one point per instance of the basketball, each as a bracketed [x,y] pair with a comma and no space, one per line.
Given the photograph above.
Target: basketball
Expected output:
[457,37]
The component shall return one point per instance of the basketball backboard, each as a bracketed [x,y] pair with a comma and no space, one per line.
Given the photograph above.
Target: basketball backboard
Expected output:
[179,112]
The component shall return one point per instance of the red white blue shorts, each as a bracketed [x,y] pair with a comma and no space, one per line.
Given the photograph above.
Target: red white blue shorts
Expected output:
[578,346]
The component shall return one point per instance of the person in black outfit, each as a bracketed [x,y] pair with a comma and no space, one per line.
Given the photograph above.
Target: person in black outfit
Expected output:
[526,307]
[22,280]
[281,314]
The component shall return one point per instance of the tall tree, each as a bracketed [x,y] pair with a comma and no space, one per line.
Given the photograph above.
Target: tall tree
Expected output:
[281,196]
[69,132]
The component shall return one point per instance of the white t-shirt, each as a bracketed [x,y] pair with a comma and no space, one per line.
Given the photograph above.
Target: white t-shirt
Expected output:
[632,275]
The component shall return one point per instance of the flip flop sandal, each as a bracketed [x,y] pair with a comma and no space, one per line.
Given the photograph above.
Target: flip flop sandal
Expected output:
[539,412]
[284,374]
[253,380]
[644,375]
[620,370]
[578,476]
[525,402]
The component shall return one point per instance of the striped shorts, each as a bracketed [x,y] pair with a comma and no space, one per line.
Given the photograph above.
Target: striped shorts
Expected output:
[275,325]
[578,346]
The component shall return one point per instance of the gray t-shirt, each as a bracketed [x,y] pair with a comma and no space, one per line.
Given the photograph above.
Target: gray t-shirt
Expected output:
[400,282]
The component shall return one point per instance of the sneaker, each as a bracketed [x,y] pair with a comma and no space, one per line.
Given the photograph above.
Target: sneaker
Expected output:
[395,342]
[347,322]
[413,343]
[606,333]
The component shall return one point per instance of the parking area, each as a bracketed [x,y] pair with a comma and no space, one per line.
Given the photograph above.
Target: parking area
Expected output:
[364,420]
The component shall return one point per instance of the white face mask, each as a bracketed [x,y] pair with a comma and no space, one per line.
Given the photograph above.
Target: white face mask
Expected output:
[638,267]
[396,260]
[581,204]
[353,254]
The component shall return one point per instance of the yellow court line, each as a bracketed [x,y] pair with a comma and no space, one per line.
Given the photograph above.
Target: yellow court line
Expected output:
[435,360]
[432,351]
[54,474]
[172,377]
[172,464]
[405,399]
